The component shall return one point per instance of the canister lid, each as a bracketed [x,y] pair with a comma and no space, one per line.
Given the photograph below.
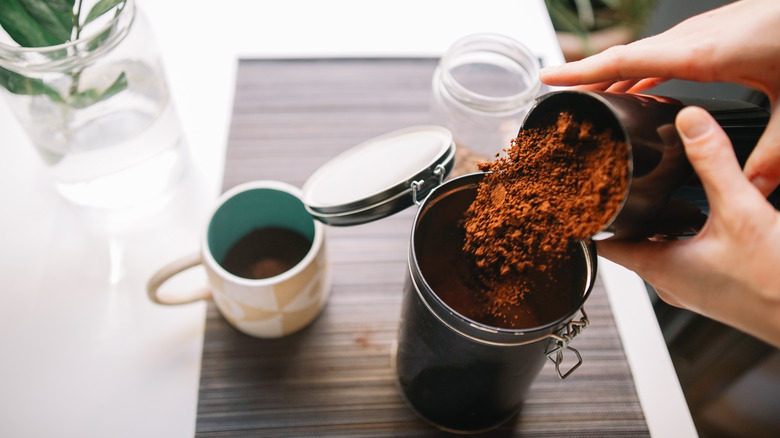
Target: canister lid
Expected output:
[380,176]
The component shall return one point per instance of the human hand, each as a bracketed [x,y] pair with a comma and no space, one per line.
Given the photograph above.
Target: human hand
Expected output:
[738,43]
[727,271]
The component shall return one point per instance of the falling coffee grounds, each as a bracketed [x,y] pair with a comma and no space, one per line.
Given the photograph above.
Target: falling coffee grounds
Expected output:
[554,185]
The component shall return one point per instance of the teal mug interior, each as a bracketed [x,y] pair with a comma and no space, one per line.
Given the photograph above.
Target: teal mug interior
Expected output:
[256,208]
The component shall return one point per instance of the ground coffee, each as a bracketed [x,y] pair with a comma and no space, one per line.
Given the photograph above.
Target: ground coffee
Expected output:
[266,252]
[446,268]
[553,186]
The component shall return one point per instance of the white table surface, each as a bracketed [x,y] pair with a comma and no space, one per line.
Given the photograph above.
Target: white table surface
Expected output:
[84,353]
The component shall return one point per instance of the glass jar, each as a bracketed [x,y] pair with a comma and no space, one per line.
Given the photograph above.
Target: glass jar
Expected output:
[98,110]
[483,86]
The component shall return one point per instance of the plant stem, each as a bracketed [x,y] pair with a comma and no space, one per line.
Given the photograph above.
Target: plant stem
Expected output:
[585,13]
[74,82]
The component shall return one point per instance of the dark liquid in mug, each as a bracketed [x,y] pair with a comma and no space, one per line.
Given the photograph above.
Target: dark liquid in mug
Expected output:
[266,252]
[444,266]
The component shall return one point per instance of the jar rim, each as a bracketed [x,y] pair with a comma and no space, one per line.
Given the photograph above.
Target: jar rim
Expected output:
[50,57]
[496,44]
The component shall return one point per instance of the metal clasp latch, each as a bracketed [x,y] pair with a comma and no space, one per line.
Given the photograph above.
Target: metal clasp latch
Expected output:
[438,172]
[573,328]
[416,186]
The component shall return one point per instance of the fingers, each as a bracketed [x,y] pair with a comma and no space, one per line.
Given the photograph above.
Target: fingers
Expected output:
[669,297]
[622,86]
[627,86]
[763,166]
[708,47]
[712,156]
[601,86]
[635,85]
[657,263]
[581,72]
[611,86]
[636,61]
[664,263]
[645,84]
[638,256]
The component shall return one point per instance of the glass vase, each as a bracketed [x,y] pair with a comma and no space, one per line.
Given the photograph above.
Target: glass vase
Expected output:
[98,110]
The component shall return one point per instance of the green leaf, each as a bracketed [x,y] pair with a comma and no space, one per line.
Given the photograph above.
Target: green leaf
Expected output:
[92,96]
[62,5]
[96,41]
[612,4]
[22,27]
[58,24]
[101,8]
[20,84]
[564,18]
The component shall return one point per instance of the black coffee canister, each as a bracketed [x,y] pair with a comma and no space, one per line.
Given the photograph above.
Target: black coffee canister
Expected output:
[460,374]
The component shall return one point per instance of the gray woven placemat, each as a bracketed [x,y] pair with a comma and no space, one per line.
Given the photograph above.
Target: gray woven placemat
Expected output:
[334,378]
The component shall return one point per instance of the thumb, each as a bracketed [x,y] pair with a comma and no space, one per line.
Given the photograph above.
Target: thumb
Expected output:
[763,164]
[712,156]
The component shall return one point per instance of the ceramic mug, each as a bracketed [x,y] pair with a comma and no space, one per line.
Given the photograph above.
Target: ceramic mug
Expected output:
[267,307]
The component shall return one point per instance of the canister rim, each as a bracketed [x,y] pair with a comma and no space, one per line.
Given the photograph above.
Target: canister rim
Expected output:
[477,331]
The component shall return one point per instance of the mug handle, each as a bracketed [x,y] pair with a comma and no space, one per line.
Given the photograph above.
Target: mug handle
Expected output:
[169,271]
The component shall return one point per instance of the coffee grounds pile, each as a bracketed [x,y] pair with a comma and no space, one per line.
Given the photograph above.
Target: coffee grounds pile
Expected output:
[553,186]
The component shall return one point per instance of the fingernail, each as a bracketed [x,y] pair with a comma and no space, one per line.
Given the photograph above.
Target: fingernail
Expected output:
[694,123]
[762,183]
